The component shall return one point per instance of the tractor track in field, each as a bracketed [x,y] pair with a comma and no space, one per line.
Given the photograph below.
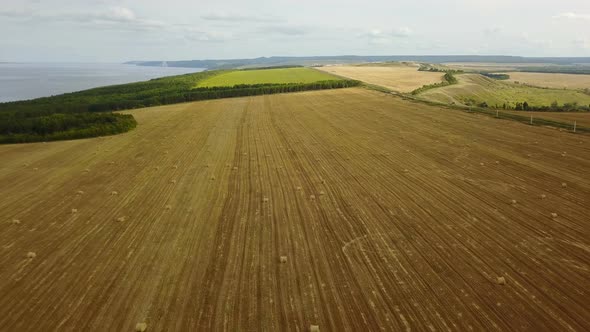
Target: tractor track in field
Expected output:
[392,215]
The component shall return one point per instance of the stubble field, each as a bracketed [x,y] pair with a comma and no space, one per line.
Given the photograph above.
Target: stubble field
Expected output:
[398,78]
[392,215]
[558,81]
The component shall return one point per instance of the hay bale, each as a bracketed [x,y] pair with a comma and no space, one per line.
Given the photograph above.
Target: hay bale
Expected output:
[543,196]
[235,168]
[74,211]
[120,219]
[15,222]
[31,255]
[141,327]
[323,181]
[482,164]
[212,178]
[168,207]
[86,170]
[298,188]
[283,259]
[79,192]
[111,163]
[157,168]
[314,328]
[497,162]
[564,185]
[35,169]
[312,197]
[265,200]
[114,193]
[513,202]
[175,166]
[501,281]
[406,170]
[322,193]
[553,215]
[173,181]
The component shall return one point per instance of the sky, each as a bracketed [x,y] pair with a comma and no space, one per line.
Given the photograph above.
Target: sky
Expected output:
[125,30]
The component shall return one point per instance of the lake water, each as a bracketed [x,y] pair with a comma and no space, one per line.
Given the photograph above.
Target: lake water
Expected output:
[19,81]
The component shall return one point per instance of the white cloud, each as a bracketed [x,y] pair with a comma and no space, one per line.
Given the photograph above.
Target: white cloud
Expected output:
[380,37]
[573,16]
[238,18]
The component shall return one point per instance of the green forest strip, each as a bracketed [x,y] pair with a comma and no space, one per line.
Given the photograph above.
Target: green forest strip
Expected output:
[89,113]
[448,79]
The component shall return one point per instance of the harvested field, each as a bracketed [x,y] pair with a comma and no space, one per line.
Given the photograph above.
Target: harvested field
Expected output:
[559,81]
[475,89]
[397,78]
[582,118]
[415,230]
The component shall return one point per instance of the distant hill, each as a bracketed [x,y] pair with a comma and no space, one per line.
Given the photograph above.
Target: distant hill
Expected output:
[322,60]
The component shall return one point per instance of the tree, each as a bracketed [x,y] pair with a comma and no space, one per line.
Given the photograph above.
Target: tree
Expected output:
[525,106]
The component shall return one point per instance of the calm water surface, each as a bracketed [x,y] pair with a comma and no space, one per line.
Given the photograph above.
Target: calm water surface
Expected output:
[19,81]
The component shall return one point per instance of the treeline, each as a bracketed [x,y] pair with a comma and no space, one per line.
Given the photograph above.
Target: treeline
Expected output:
[448,79]
[63,126]
[273,67]
[119,97]
[524,106]
[434,69]
[497,76]
[573,69]
[80,114]
[205,93]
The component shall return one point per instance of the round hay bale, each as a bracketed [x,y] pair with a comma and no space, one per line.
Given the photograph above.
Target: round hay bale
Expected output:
[173,181]
[482,164]
[513,202]
[564,185]
[120,219]
[265,200]
[553,215]
[168,207]
[141,327]
[175,166]
[235,168]
[322,193]
[543,196]
[314,328]
[298,188]
[501,281]
[74,211]
[79,192]
[114,193]
[31,255]
[15,222]
[312,197]
[283,259]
